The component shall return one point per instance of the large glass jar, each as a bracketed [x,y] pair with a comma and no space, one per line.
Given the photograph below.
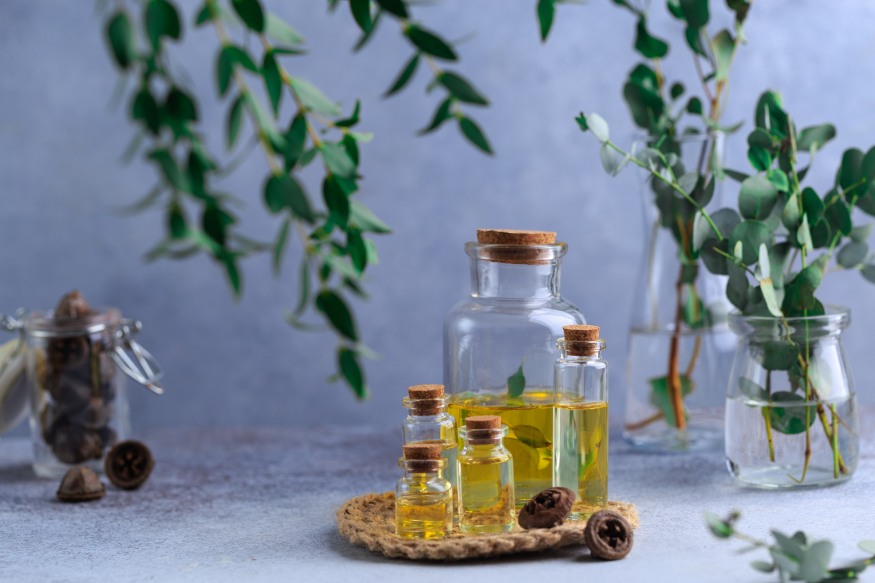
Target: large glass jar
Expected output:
[75,372]
[500,346]
[791,408]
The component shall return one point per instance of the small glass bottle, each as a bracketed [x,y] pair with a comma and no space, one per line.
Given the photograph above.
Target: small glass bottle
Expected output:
[423,498]
[580,423]
[486,484]
[428,422]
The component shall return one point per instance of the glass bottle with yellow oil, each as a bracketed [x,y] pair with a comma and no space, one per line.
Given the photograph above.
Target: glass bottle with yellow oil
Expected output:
[428,422]
[500,346]
[423,498]
[486,486]
[580,419]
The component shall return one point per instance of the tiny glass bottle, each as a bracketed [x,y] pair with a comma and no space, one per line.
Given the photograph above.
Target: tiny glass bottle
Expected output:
[423,498]
[486,485]
[580,424]
[428,422]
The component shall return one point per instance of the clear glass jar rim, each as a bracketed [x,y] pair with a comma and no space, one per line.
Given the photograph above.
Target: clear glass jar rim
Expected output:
[43,325]
[488,250]
[413,403]
[839,316]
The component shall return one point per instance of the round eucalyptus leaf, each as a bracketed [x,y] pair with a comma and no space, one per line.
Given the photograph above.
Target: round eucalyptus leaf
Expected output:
[794,417]
[751,234]
[757,197]
[852,254]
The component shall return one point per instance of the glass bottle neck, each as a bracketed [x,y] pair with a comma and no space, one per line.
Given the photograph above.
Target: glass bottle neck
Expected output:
[493,279]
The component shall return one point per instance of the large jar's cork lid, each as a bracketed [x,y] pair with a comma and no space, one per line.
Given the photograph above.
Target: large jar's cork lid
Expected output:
[578,337]
[515,237]
[422,451]
[519,247]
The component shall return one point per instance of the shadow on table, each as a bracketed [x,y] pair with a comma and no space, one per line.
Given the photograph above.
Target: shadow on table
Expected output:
[17,473]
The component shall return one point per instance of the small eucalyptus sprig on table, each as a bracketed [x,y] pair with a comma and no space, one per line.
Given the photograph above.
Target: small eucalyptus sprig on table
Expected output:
[793,558]
[254,44]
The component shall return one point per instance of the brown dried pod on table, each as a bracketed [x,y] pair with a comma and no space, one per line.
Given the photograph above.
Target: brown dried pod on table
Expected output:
[128,464]
[608,535]
[547,509]
[80,485]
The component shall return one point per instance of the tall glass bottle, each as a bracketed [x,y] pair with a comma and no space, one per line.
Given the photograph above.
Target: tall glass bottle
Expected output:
[423,498]
[500,346]
[428,422]
[486,486]
[580,420]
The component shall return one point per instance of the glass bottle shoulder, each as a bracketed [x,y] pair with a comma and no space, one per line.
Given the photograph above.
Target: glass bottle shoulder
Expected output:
[554,312]
[484,454]
[423,484]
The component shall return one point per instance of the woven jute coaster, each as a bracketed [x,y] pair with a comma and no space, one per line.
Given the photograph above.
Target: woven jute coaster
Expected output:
[369,521]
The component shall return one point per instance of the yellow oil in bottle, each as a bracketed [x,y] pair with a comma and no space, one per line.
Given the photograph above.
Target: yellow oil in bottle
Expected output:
[449,451]
[529,420]
[486,491]
[424,516]
[581,448]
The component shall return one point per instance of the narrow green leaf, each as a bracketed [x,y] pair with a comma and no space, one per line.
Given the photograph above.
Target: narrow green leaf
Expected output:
[177,226]
[251,13]
[338,314]
[546,11]
[461,89]
[233,273]
[365,220]
[404,76]
[599,127]
[336,200]
[530,435]
[516,383]
[838,215]
[351,370]
[395,7]
[660,398]
[723,47]
[353,118]
[204,15]
[296,140]
[273,82]
[168,166]
[752,390]
[429,43]
[357,250]
[235,121]
[337,160]
[303,287]
[161,20]
[279,247]
[229,57]
[144,108]
[649,46]
[812,206]
[361,13]
[718,527]
[313,98]
[180,105]
[285,191]
[280,30]
[441,114]
[120,36]
[474,134]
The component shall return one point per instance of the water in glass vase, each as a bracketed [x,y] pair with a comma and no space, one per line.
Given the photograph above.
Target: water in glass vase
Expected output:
[766,442]
[529,419]
[581,451]
[650,419]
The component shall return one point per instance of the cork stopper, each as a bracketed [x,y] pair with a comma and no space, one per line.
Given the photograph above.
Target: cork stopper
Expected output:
[422,457]
[519,247]
[425,399]
[515,237]
[483,429]
[578,338]
[422,451]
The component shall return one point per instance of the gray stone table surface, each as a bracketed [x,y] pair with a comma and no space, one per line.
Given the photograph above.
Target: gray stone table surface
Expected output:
[259,504]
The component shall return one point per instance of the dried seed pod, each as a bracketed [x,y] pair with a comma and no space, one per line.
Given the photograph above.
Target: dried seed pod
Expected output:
[129,464]
[80,484]
[547,509]
[608,535]
[71,306]
[95,415]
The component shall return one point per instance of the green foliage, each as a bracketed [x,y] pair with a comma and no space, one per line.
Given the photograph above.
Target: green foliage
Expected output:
[516,383]
[334,232]
[796,557]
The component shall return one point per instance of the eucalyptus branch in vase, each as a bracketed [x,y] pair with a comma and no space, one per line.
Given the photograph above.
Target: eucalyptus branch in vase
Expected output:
[335,239]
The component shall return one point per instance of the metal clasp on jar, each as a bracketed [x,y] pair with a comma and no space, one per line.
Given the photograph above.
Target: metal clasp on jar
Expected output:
[143,367]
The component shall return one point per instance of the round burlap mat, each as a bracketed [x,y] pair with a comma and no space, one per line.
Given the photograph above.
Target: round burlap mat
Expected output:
[369,521]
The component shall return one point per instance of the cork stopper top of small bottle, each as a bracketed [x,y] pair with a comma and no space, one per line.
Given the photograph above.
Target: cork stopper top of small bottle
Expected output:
[422,457]
[425,399]
[515,246]
[483,429]
[579,339]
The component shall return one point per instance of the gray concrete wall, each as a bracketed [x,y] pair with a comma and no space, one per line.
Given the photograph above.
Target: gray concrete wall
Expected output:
[228,363]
